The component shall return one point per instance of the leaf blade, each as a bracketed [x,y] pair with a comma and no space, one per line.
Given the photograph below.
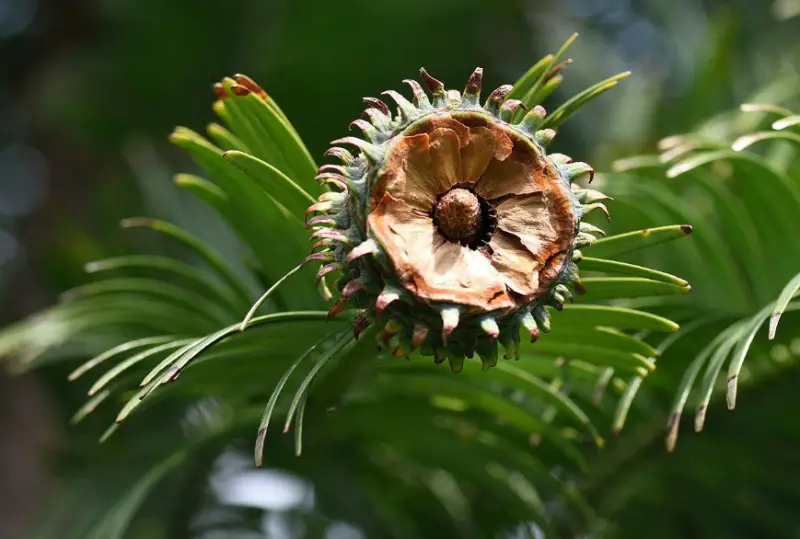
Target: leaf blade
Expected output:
[633,241]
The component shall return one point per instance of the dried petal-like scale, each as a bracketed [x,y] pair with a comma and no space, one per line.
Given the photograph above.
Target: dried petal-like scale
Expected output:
[459,228]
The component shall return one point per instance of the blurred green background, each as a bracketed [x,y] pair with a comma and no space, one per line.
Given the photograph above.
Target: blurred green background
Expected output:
[90,89]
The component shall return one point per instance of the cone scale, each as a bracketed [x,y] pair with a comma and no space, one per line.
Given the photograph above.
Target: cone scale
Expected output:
[450,226]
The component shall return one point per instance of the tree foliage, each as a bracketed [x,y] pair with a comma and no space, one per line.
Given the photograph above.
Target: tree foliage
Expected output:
[405,448]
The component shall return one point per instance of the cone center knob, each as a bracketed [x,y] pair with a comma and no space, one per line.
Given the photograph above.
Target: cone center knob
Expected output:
[458,215]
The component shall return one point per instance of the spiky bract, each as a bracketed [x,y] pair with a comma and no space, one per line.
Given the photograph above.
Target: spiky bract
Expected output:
[450,225]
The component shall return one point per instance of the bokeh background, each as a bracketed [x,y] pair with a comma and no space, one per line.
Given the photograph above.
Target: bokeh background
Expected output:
[89,90]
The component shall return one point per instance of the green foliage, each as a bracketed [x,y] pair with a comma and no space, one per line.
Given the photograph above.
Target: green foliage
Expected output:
[414,439]
[746,204]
